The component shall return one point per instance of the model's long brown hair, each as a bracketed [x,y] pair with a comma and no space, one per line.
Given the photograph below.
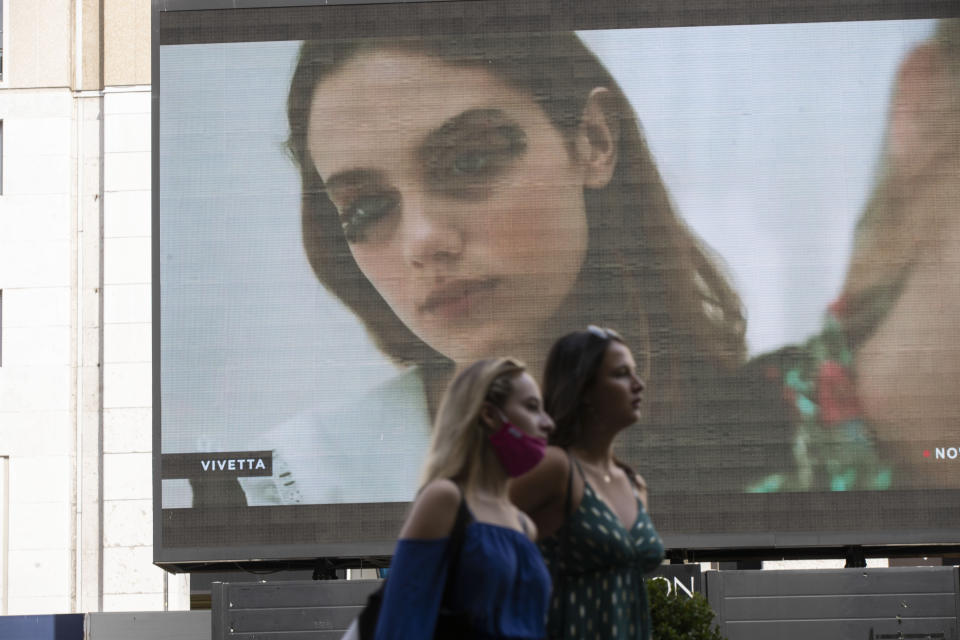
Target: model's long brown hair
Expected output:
[645,272]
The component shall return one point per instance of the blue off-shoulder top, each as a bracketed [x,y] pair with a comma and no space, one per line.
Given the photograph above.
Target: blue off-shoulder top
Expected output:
[501,583]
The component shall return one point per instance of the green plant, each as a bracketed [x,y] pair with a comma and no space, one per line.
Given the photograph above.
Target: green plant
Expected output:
[678,617]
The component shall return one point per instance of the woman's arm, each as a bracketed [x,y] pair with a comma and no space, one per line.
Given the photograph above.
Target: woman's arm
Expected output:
[542,493]
[433,512]
[420,564]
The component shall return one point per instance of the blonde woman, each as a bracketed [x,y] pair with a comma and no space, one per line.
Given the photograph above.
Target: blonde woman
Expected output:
[491,426]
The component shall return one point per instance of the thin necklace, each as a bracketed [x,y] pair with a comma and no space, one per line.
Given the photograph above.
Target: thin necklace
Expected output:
[604,474]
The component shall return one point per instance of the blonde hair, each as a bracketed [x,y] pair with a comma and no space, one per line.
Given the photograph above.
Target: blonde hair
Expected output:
[459,448]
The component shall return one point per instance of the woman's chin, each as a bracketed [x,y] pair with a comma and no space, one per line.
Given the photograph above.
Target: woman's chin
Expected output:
[461,342]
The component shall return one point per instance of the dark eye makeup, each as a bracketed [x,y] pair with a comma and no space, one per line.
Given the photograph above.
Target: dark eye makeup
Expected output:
[460,159]
[363,211]
[467,151]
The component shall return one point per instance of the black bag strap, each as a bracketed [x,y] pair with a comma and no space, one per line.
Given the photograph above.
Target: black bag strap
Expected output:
[454,547]
[367,619]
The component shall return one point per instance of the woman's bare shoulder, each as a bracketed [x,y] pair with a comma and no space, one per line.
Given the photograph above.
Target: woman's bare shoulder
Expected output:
[552,470]
[542,486]
[556,462]
[434,511]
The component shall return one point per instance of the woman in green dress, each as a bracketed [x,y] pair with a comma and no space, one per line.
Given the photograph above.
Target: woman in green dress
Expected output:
[591,509]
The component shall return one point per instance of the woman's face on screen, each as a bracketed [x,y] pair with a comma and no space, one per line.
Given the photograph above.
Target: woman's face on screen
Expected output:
[459,199]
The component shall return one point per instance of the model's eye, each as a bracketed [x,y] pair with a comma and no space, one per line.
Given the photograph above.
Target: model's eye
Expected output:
[463,160]
[471,163]
[361,213]
[487,151]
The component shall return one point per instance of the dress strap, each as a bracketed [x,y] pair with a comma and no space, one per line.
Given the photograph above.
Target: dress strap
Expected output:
[568,498]
[575,462]
[632,478]
[557,577]
[631,474]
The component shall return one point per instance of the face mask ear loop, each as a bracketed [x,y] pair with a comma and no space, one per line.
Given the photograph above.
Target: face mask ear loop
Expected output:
[488,429]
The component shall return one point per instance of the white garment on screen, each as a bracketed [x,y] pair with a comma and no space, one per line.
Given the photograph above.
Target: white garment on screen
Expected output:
[370,449]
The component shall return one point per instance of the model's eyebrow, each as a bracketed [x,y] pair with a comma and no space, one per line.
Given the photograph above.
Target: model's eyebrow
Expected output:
[470,119]
[352,178]
[444,136]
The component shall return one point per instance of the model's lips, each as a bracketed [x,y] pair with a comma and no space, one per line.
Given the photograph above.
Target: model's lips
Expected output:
[637,402]
[456,297]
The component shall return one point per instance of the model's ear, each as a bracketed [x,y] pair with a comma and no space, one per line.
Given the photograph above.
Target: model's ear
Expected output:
[489,416]
[919,110]
[598,138]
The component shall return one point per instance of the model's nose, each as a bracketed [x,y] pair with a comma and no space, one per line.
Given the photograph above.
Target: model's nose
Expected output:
[429,233]
[548,426]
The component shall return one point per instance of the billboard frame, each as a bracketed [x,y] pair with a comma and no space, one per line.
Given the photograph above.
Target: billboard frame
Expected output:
[204,15]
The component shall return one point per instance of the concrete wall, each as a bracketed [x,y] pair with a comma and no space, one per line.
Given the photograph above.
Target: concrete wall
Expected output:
[39,35]
[126,46]
[41,43]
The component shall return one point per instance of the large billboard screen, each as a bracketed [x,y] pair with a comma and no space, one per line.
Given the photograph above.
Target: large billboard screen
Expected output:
[352,201]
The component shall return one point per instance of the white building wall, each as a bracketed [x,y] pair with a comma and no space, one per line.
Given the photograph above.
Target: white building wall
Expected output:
[75,258]
[130,582]
[36,391]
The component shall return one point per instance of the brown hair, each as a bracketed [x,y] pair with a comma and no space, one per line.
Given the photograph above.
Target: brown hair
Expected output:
[643,263]
[571,370]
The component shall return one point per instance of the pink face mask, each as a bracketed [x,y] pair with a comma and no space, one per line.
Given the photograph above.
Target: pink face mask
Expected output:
[517,451]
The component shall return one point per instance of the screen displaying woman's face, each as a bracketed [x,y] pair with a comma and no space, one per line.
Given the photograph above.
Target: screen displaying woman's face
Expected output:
[458,197]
